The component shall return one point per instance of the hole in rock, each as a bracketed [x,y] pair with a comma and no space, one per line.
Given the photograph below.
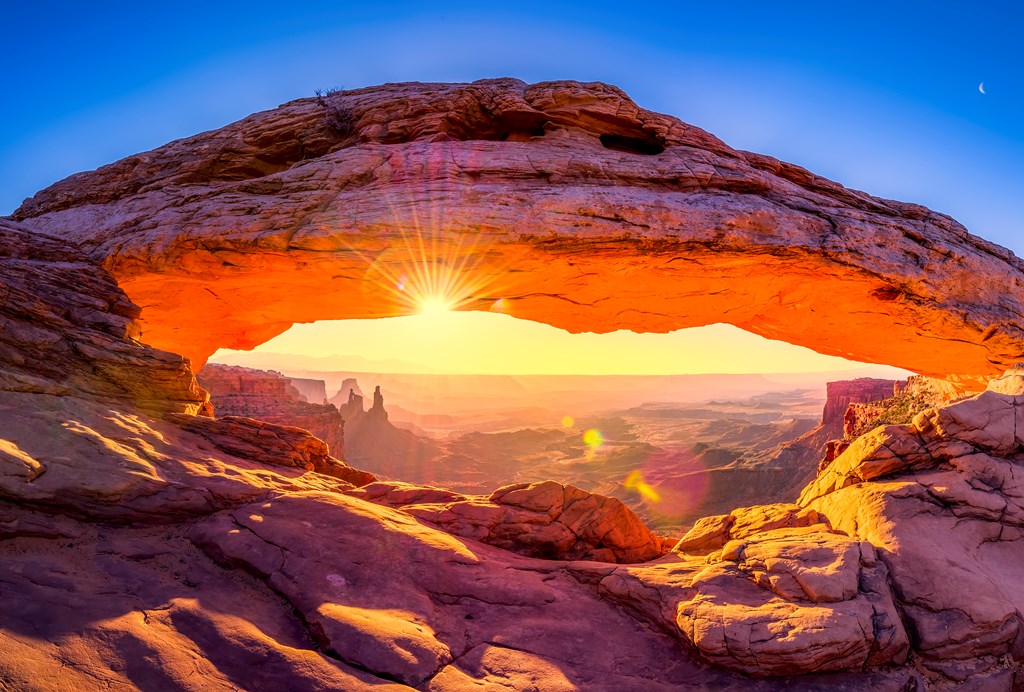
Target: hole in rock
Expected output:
[678,426]
[648,146]
[512,127]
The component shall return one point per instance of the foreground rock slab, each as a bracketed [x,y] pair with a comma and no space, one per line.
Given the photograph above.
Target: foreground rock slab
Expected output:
[472,616]
[942,499]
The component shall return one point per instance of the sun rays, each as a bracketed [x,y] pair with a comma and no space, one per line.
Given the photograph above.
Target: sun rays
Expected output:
[431,262]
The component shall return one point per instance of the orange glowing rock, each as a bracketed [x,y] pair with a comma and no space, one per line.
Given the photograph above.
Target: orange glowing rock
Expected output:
[545,519]
[559,202]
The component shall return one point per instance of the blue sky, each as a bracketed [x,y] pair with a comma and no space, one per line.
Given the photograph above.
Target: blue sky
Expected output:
[879,96]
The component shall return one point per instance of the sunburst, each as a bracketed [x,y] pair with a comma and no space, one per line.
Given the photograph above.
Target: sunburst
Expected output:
[429,269]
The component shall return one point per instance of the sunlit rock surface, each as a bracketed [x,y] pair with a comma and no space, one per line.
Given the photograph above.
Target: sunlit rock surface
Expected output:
[613,217]
[839,396]
[546,520]
[271,397]
[145,548]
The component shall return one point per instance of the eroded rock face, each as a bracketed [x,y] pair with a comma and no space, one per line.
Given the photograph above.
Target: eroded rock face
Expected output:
[780,602]
[791,600]
[472,616]
[712,533]
[97,426]
[941,498]
[272,444]
[904,551]
[898,566]
[271,397]
[613,216]
[840,395]
[546,520]
[67,330]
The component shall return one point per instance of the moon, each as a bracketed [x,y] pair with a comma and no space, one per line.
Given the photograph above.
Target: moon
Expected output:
[981,87]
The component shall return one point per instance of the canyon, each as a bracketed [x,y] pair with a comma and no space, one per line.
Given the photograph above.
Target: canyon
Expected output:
[149,544]
[701,456]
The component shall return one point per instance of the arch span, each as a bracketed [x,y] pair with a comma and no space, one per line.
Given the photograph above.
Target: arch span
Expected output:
[559,202]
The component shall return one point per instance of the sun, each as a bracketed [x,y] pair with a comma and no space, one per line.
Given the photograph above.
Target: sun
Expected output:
[434,306]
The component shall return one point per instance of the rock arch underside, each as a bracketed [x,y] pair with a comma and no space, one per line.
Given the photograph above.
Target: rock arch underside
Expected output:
[548,197]
[145,543]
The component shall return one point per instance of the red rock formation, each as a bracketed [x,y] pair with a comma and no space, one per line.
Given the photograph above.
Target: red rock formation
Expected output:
[839,396]
[909,398]
[275,445]
[940,497]
[797,461]
[898,567]
[377,411]
[374,443]
[712,533]
[66,329]
[91,419]
[933,508]
[271,397]
[546,520]
[613,217]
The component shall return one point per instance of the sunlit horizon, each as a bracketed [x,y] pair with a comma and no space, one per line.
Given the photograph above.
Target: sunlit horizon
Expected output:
[436,340]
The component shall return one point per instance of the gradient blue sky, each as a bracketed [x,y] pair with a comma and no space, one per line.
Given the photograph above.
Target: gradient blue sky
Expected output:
[879,96]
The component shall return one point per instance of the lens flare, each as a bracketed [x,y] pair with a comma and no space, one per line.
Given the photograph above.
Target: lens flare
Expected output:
[593,438]
[568,421]
[635,481]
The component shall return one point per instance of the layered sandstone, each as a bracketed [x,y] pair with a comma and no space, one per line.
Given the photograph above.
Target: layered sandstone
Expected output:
[272,397]
[840,395]
[313,391]
[909,398]
[66,329]
[98,426]
[546,520]
[614,217]
[920,520]
[145,548]
[794,463]
[941,499]
[374,443]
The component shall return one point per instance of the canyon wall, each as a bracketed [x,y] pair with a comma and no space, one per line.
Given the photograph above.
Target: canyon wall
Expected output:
[271,397]
[313,391]
[839,396]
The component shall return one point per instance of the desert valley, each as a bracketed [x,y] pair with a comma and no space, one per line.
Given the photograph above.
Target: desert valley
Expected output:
[673,448]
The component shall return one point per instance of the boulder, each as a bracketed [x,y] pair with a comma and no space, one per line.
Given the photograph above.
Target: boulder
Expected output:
[545,519]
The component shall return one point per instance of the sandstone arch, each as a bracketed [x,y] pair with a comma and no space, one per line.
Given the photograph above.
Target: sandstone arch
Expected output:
[559,202]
